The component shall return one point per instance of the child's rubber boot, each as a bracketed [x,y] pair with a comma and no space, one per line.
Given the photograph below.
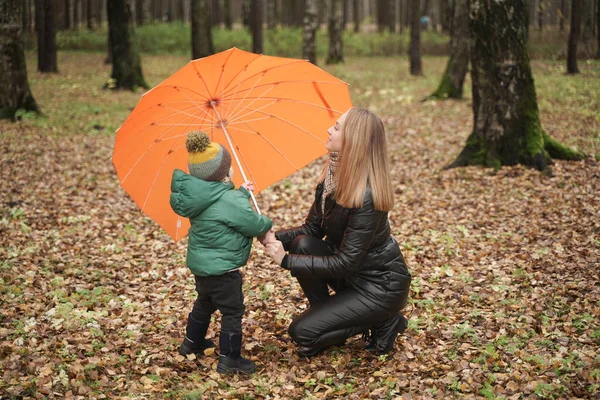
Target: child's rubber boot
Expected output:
[230,359]
[195,341]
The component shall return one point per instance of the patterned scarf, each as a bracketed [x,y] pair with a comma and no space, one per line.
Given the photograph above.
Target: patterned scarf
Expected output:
[330,180]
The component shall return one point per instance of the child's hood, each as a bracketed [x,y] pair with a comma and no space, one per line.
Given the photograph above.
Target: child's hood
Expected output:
[190,196]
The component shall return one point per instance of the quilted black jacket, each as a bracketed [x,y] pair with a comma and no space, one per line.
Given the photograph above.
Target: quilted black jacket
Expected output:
[365,255]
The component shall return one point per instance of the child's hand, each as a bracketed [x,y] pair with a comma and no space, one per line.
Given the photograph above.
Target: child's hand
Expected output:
[248,185]
[268,237]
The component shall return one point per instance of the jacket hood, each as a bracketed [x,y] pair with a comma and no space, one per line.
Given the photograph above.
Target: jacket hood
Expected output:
[190,196]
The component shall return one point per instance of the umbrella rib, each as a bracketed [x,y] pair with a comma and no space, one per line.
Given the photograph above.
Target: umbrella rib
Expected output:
[160,167]
[240,117]
[203,81]
[248,120]
[264,71]
[289,123]
[236,111]
[144,153]
[240,71]
[283,82]
[296,101]
[272,145]
[166,116]
[248,92]
[142,130]
[222,71]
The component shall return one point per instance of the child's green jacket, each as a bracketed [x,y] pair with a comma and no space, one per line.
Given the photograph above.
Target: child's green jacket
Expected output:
[223,223]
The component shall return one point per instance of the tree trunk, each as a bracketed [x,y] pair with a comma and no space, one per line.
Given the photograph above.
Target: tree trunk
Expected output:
[90,15]
[309,48]
[452,82]
[46,36]
[356,15]
[506,128]
[336,46]
[14,86]
[381,15]
[141,11]
[246,11]
[425,8]
[447,15]
[227,14]
[202,42]
[344,15]
[67,14]
[541,15]
[563,12]
[271,14]
[322,11]
[587,33]
[127,67]
[76,10]
[574,37]
[598,29]
[415,38]
[99,12]
[391,18]
[257,26]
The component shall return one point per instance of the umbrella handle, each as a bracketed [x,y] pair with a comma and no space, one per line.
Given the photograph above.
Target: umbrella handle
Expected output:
[237,160]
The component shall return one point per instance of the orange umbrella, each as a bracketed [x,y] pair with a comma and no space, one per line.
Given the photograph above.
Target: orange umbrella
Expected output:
[271,113]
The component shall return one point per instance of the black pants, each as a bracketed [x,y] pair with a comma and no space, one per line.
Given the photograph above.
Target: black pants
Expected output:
[331,320]
[223,293]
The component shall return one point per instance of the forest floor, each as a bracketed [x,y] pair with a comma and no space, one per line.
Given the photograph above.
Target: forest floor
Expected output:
[505,299]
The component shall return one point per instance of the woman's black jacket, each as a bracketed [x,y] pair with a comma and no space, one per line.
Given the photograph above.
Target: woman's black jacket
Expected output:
[365,256]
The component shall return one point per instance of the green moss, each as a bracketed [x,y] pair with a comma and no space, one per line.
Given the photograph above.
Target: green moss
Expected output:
[559,151]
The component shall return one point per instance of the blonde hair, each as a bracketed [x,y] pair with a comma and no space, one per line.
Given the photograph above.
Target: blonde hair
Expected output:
[363,161]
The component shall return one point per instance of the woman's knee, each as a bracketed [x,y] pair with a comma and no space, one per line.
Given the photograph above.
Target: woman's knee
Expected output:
[299,333]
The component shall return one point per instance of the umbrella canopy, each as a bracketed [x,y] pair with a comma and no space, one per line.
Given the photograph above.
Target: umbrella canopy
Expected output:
[271,113]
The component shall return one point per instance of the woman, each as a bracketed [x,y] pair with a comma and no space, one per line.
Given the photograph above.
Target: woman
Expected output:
[345,244]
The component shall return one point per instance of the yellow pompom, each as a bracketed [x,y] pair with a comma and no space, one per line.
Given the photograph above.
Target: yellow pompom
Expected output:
[197,142]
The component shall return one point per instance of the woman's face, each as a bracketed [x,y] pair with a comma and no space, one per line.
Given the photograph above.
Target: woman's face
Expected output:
[336,134]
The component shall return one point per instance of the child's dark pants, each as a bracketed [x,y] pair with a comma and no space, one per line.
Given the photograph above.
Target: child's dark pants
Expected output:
[223,293]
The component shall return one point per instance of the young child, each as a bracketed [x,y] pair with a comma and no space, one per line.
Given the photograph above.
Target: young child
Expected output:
[222,228]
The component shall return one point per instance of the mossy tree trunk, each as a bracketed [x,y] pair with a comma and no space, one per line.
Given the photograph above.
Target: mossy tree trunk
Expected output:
[46,36]
[507,128]
[202,43]
[14,86]
[574,38]
[126,64]
[257,26]
[309,32]
[453,79]
[336,53]
[414,50]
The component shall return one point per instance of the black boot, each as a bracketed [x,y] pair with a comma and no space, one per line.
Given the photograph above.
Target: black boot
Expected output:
[195,341]
[306,351]
[383,336]
[230,359]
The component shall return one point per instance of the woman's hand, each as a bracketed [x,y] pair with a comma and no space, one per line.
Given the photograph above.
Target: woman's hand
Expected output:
[276,251]
[248,185]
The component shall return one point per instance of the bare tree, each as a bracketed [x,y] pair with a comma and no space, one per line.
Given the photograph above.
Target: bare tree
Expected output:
[14,85]
[506,128]
[46,36]
[309,51]
[257,26]
[574,37]
[415,38]
[202,42]
[271,14]
[126,64]
[227,17]
[336,45]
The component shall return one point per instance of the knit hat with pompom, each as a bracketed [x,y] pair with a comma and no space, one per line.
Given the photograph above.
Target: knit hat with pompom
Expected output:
[206,160]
